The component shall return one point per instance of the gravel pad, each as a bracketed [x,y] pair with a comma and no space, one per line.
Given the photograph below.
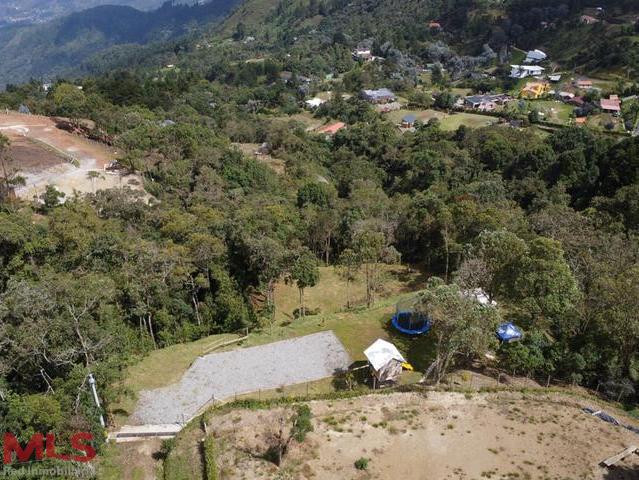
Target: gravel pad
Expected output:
[220,376]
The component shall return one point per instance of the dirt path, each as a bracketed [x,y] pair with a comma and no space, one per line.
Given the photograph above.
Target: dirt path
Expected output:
[46,155]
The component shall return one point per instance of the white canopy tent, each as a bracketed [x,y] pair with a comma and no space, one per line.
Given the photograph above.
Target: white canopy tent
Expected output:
[385,360]
[480,296]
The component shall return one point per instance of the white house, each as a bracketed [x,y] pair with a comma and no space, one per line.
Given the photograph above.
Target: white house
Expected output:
[535,56]
[314,102]
[362,54]
[523,71]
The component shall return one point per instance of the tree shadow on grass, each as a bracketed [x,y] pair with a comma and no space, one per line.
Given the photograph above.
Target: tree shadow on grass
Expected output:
[419,350]
[622,473]
[409,280]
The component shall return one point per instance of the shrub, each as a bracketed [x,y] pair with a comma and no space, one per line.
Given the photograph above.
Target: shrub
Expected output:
[361,464]
[210,458]
[302,423]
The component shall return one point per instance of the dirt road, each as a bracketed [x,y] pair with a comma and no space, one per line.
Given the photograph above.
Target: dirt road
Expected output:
[46,155]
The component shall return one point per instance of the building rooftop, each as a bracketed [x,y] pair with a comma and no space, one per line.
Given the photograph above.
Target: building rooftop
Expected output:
[610,104]
[379,93]
[332,128]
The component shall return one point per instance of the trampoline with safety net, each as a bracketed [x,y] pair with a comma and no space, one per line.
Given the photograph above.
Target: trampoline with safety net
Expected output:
[408,319]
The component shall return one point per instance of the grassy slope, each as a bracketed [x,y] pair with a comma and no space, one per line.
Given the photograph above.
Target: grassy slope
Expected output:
[251,14]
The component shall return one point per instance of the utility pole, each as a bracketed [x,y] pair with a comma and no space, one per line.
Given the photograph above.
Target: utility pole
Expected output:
[95,397]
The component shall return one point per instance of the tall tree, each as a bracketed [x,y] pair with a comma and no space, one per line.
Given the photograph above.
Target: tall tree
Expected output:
[348,266]
[461,326]
[369,247]
[305,274]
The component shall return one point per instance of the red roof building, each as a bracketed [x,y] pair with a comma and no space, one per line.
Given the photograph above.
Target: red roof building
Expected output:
[332,128]
[611,105]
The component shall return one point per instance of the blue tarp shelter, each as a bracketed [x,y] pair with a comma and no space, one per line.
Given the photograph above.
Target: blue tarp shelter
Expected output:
[507,332]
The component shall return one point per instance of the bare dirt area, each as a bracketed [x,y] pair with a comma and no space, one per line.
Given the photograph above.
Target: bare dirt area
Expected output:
[249,149]
[45,155]
[29,157]
[136,460]
[435,435]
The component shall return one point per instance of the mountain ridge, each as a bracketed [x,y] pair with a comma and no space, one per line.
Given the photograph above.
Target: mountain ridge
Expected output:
[56,48]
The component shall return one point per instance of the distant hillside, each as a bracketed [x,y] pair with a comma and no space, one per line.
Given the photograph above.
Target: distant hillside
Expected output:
[38,11]
[58,47]
[313,28]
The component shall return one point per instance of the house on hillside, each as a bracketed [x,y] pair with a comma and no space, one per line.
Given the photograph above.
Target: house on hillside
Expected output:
[566,96]
[523,71]
[409,121]
[362,54]
[314,102]
[588,20]
[434,25]
[611,105]
[486,103]
[576,101]
[331,129]
[535,90]
[380,96]
[584,84]
[388,107]
[483,103]
[535,56]
[555,78]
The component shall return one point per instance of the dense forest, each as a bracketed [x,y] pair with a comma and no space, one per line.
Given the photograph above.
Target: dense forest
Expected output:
[546,223]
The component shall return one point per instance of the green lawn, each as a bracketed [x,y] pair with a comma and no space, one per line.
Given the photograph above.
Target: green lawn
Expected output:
[471,120]
[421,115]
[463,92]
[448,122]
[518,56]
[554,111]
[599,122]
[305,118]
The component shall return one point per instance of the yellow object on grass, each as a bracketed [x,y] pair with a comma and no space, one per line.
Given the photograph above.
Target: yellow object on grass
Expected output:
[407,366]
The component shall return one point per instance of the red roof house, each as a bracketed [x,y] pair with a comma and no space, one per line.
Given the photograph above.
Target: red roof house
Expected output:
[332,128]
[611,105]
